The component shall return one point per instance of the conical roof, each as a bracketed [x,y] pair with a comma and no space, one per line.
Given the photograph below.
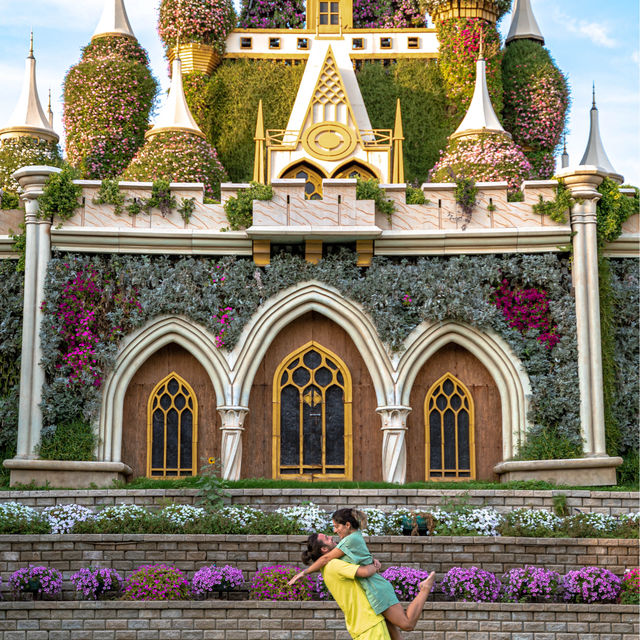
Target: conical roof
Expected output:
[175,114]
[114,21]
[480,118]
[28,117]
[524,23]
[594,153]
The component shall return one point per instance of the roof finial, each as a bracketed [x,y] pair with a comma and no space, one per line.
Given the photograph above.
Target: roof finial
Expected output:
[50,110]
[31,46]
[481,52]
[593,106]
[565,156]
[524,24]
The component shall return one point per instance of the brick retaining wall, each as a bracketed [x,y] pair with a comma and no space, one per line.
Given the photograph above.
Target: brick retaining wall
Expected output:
[69,553]
[610,502]
[219,620]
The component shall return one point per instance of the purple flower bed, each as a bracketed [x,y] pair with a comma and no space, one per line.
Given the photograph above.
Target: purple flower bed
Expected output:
[213,578]
[156,582]
[270,583]
[591,584]
[37,580]
[530,583]
[471,585]
[405,581]
[94,581]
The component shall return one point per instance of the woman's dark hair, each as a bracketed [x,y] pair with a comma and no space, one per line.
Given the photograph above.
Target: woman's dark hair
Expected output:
[313,550]
[355,518]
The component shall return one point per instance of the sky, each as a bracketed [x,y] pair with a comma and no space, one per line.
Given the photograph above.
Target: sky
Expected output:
[591,41]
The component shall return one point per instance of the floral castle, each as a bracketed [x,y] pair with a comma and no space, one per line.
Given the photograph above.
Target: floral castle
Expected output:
[341,252]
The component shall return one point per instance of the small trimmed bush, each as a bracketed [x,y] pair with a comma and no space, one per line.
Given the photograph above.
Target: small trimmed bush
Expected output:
[37,580]
[471,585]
[210,579]
[156,582]
[530,584]
[75,440]
[270,583]
[630,586]
[591,584]
[93,582]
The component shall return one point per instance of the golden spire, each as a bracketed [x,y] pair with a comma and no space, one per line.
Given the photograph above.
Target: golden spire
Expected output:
[31,46]
[398,154]
[258,160]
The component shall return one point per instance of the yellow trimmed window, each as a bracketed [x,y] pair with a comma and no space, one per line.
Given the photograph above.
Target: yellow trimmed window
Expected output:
[312,416]
[355,170]
[329,13]
[312,178]
[172,429]
[449,426]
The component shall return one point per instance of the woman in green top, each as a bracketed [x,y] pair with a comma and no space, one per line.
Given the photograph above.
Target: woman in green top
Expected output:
[382,598]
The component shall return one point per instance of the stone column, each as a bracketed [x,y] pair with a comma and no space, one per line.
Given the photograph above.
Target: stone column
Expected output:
[231,446]
[394,446]
[38,253]
[583,182]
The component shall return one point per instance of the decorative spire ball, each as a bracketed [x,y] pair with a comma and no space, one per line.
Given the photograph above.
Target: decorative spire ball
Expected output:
[28,137]
[175,149]
[108,98]
[536,94]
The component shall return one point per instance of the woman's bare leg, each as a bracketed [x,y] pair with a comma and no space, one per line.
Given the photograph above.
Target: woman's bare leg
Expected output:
[394,632]
[407,621]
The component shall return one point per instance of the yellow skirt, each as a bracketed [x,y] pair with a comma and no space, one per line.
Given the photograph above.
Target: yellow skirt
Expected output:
[377,632]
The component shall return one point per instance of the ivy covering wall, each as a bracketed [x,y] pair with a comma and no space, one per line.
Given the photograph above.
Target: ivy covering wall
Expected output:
[127,291]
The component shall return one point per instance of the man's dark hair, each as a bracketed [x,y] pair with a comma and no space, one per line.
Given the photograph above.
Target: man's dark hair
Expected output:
[313,550]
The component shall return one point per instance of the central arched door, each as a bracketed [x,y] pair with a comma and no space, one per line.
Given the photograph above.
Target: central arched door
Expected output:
[312,416]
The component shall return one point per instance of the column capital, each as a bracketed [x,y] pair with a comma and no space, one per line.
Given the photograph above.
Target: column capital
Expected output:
[233,416]
[394,416]
[32,180]
[583,181]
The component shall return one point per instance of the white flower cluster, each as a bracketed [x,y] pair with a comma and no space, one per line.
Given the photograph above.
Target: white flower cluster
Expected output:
[482,521]
[180,514]
[17,511]
[376,522]
[310,517]
[534,519]
[241,513]
[633,516]
[600,521]
[120,512]
[63,517]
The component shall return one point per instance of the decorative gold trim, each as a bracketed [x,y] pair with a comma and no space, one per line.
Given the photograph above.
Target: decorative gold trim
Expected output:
[196,57]
[182,383]
[366,169]
[313,251]
[347,399]
[262,252]
[331,141]
[364,249]
[392,55]
[436,386]
[484,9]
[299,44]
[314,177]
[345,29]
[268,56]
[386,46]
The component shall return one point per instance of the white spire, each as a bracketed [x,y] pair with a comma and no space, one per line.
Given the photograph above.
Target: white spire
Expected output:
[175,115]
[594,153]
[28,117]
[480,118]
[114,21]
[523,23]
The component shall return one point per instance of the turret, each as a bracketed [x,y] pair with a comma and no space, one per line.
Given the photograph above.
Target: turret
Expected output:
[114,21]
[28,117]
[524,24]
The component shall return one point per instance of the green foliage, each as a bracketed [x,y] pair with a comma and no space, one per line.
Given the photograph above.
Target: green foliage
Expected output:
[560,507]
[211,486]
[195,91]
[60,195]
[134,207]
[25,151]
[370,190]
[234,90]
[465,194]
[426,113]
[9,200]
[161,198]
[628,473]
[20,245]
[186,208]
[415,196]
[614,209]
[239,210]
[109,193]
[74,440]
[549,444]
[557,208]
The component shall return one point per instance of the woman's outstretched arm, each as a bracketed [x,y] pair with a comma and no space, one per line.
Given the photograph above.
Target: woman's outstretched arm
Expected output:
[318,564]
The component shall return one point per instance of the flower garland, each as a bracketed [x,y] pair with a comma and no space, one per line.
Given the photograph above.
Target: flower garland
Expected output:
[387,14]
[273,14]
[178,156]
[485,158]
[25,151]
[108,96]
[205,21]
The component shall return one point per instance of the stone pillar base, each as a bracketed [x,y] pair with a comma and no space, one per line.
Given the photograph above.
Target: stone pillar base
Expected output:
[585,472]
[66,474]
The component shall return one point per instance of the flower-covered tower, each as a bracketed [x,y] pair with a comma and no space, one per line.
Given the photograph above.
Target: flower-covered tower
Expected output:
[108,98]
[175,148]
[28,137]
[536,95]
[480,148]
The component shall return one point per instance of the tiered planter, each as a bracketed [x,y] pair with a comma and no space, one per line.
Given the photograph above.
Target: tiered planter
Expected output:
[485,9]
[196,58]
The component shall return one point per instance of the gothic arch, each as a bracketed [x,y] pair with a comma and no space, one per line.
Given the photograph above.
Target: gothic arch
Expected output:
[495,354]
[355,165]
[136,349]
[290,304]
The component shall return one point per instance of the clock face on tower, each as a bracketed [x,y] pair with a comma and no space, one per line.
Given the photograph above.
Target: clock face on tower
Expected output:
[329,141]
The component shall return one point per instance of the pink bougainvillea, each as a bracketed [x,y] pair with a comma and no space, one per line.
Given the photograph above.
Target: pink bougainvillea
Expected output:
[527,310]
[387,14]
[273,14]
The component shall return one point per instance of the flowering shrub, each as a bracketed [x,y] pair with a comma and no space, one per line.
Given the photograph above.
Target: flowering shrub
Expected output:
[591,584]
[529,522]
[319,589]
[390,14]
[525,310]
[405,581]
[310,517]
[471,585]
[181,514]
[178,156]
[485,158]
[270,583]
[94,581]
[273,14]
[244,515]
[17,518]
[62,518]
[530,583]
[223,319]
[37,580]
[213,578]
[25,151]
[459,49]
[376,522]
[480,522]
[536,99]
[108,96]
[591,525]
[205,21]
[630,586]
[156,582]
[114,518]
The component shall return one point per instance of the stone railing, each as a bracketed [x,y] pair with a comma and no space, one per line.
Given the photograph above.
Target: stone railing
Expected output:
[609,502]
[224,620]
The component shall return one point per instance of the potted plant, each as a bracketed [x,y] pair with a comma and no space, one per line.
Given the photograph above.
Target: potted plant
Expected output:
[96,581]
[212,579]
[36,580]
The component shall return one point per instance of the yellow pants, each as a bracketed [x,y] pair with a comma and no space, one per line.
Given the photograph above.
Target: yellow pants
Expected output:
[379,632]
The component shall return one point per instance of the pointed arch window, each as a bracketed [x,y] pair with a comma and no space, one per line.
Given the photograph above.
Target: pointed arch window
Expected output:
[355,170]
[312,177]
[449,427]
[172,429]
[312,416]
